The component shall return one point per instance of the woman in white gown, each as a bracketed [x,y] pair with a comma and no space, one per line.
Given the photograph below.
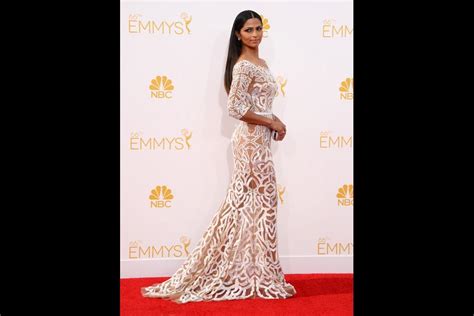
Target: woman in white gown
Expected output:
[237,256]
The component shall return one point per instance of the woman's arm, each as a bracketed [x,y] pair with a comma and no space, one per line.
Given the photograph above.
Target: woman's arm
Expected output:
[276,118]
[253,118]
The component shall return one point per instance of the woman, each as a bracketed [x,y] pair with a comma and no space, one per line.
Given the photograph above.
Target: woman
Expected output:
[237,257]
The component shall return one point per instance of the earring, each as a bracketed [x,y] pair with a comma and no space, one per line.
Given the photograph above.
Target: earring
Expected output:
[239,38]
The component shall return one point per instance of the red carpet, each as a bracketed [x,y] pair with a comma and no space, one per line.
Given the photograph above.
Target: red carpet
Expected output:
[317,294]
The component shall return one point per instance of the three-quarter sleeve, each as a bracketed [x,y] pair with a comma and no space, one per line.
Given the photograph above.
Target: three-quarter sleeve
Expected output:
[239,100]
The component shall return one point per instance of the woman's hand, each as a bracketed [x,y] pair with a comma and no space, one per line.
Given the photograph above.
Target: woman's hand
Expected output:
[278,126]
[280,136]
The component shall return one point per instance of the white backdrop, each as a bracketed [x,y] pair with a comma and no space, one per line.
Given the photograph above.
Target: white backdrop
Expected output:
[175,129]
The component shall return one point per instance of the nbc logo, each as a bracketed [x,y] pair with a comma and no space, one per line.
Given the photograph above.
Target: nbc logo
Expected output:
[347,89]
[161,87]
[265,25]
[345,195]
[161,196]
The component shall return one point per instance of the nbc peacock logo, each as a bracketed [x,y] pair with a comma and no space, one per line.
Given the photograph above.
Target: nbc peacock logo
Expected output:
[328,141]
[138,25]
[140,143]
[265,25]
[331,29]
[345,195]
[346,89]
[160,197]
[161,87]
[137,249]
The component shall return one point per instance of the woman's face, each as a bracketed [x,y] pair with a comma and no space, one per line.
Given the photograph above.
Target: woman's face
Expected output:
[252,32]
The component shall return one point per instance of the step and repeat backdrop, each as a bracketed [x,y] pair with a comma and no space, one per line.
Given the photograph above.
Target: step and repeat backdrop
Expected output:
[176,158]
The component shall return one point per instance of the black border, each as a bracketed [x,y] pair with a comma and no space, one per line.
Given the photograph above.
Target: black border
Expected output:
[61,155]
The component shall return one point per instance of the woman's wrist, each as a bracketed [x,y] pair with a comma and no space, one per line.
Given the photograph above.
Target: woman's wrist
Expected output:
[269,122]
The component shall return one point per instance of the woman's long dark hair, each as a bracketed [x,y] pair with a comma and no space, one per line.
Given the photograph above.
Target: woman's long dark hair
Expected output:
[235,46]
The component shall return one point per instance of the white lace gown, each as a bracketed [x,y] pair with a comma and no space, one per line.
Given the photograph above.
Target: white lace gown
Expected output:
[237,256]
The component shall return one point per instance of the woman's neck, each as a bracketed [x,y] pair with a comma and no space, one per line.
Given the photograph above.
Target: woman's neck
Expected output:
[250,53]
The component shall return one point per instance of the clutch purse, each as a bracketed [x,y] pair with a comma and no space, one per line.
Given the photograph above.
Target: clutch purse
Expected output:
[274,134]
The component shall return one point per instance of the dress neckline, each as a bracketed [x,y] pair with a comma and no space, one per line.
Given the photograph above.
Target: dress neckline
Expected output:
[252,64]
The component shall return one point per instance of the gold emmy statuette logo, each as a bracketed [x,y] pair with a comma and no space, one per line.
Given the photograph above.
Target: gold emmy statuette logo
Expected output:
[282,82]
[345,195]
[331,30]
[324,248]
[161,87]
[138,142]
[265,26]
[281,190]
[137,25]
[187,19]
[187,136]
[186,242]
[137,250]
[327,141]
[155,200]
[346,89]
